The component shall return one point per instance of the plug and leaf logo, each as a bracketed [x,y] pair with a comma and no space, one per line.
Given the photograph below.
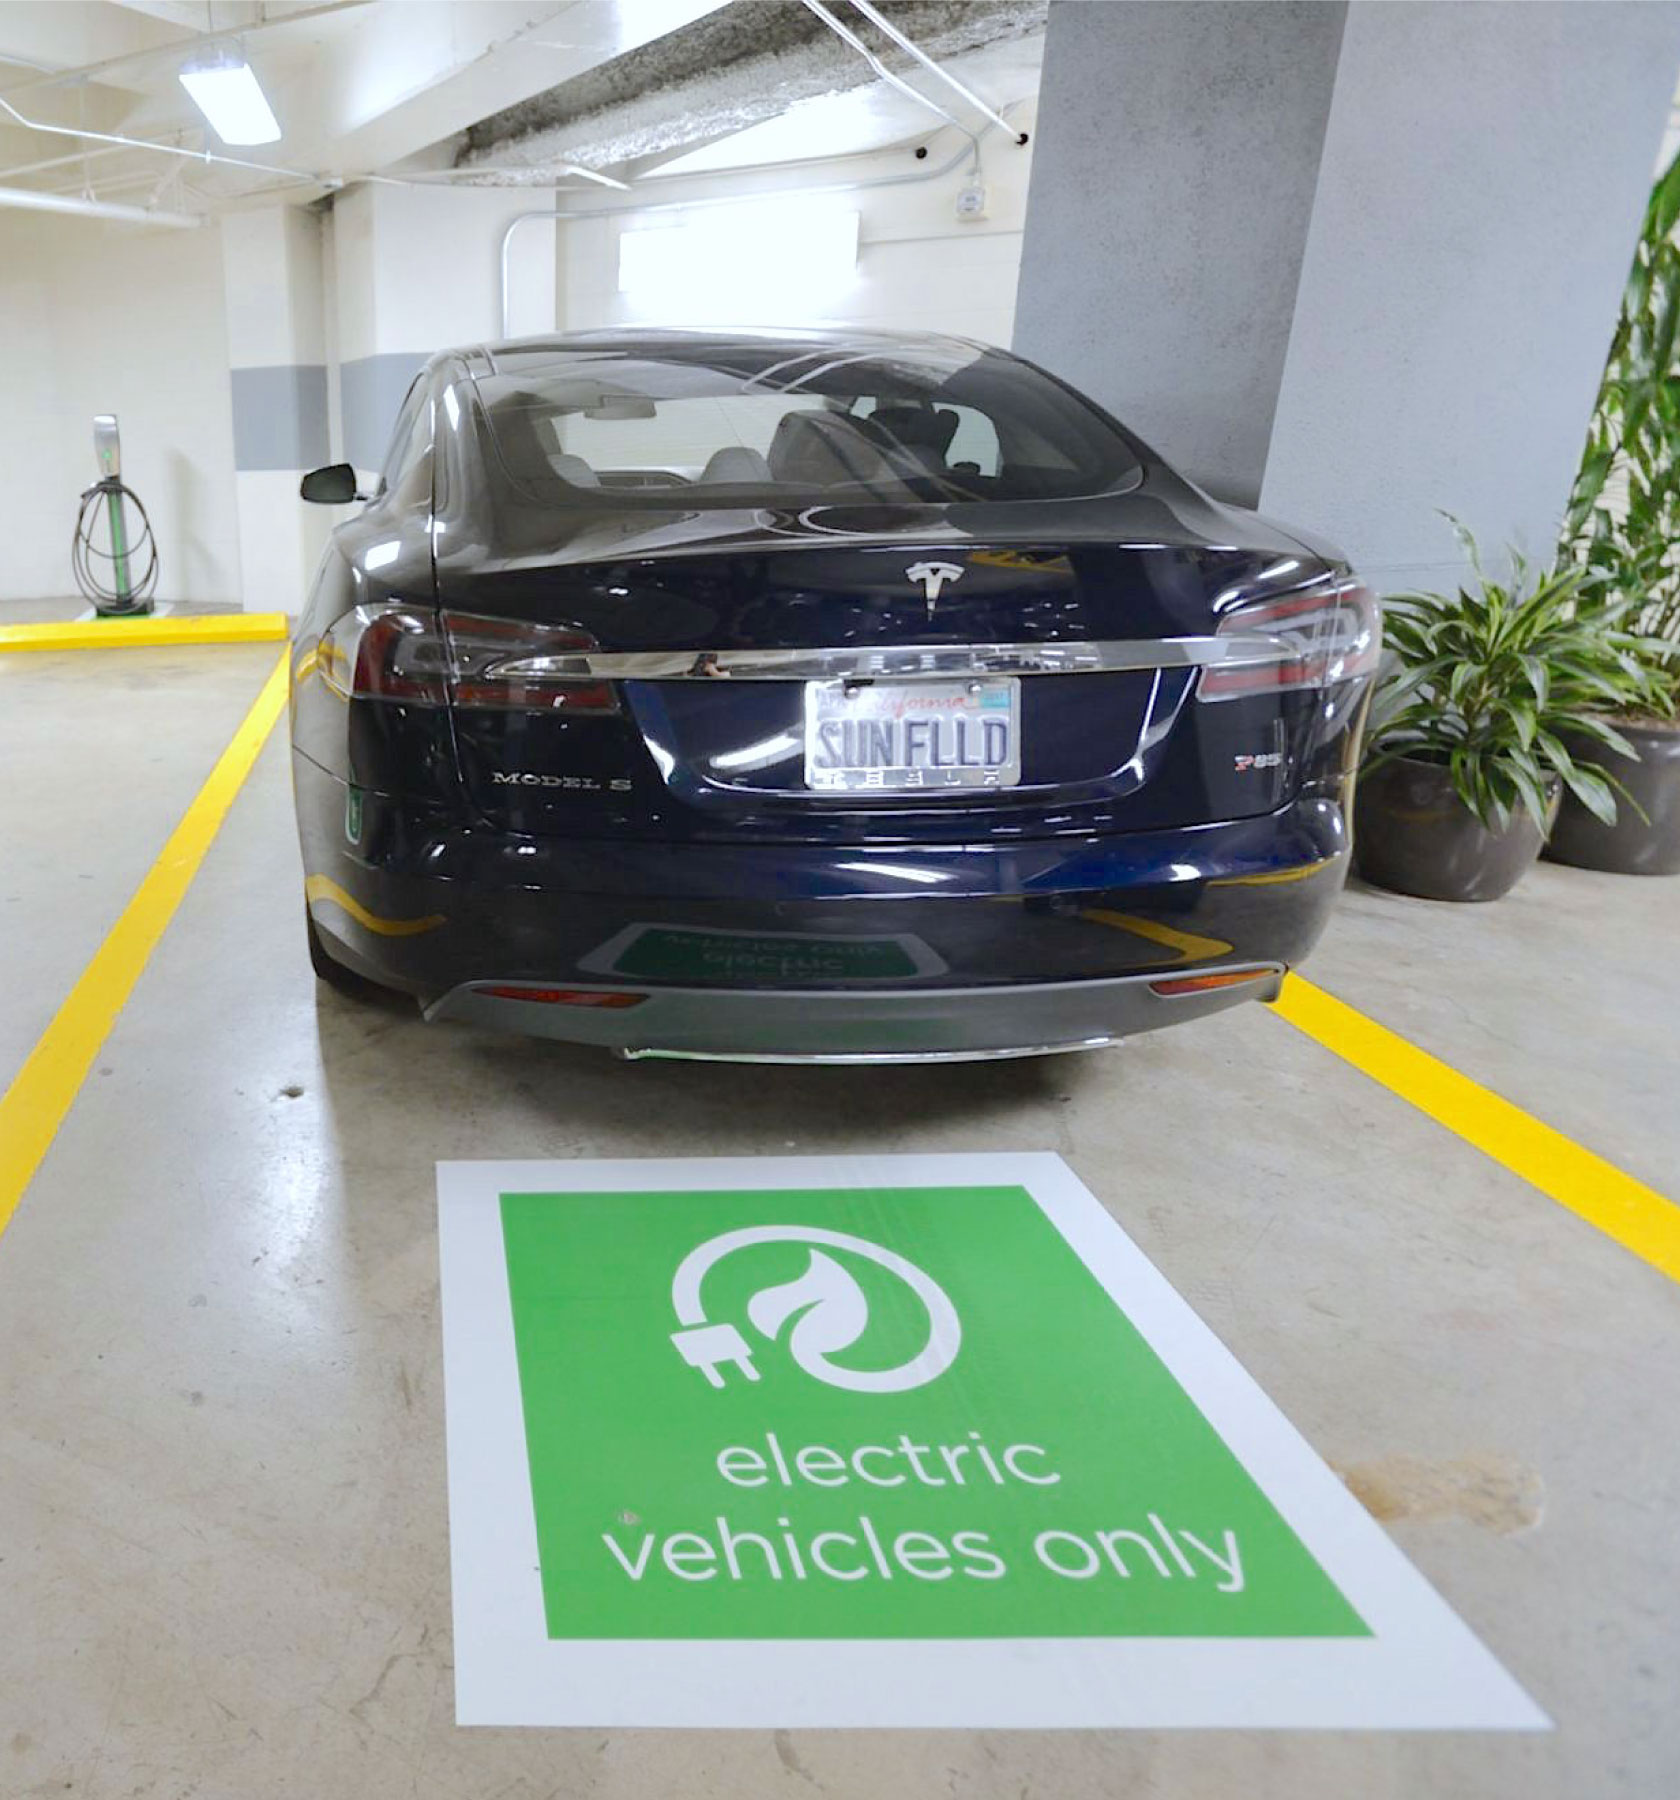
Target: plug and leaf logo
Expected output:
[827,1305]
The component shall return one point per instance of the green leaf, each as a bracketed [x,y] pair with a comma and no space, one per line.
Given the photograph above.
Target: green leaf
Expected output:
[1664,211]
[1593,791]
[1532,789]
[1539,677]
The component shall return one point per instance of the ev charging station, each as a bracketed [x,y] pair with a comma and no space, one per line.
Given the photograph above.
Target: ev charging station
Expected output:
[119,575]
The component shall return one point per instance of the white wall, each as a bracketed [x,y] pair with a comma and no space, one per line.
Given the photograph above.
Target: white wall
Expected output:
[918,267]
[411,270]
[272,263]
[99,317]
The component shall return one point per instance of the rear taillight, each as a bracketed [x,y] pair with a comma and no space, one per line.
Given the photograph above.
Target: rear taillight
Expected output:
[385,653]
[527,668]
[1313,639]
[422,658]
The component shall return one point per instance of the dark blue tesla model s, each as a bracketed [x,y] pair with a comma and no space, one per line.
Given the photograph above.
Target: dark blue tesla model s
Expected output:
[812,696]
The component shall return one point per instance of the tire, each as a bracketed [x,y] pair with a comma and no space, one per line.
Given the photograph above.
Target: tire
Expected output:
[340,979]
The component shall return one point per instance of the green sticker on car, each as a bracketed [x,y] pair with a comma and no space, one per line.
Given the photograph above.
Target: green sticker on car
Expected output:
[672,953]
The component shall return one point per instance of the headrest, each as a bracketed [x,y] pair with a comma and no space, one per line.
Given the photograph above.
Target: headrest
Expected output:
[573,469]
[524,442]
[735,462]
[819,449]
[918,425]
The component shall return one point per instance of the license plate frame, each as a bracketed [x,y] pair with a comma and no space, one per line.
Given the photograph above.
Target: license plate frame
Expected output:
[958,752]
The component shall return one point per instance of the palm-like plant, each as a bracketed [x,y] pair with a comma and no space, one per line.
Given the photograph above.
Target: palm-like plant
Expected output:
[1488,682]
[1623,523]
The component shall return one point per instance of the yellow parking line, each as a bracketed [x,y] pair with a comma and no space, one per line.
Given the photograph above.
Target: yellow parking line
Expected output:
[34,1106]
[150,633]
[1637,1217]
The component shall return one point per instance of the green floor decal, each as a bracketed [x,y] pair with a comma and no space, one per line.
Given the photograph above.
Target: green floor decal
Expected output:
[904,1440]
[1051,1479]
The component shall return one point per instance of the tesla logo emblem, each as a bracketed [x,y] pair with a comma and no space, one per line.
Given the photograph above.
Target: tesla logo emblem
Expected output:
[933,576]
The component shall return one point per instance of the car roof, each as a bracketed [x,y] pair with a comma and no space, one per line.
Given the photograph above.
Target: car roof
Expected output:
[509,355]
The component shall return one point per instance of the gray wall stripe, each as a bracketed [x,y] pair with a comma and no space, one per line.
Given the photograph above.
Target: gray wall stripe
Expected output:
[371,390]
[280,416]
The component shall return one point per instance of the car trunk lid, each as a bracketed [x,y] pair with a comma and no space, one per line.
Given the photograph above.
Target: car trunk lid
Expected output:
[725,659]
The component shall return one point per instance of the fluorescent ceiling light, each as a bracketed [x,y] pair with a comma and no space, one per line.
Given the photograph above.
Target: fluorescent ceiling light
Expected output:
[225,90]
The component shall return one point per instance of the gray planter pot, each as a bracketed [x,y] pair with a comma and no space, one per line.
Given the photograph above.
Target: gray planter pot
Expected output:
[1632,846]
[1413,834]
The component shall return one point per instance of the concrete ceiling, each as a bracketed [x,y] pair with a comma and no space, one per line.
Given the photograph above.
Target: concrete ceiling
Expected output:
[736,70]
[509,92]
[872,116]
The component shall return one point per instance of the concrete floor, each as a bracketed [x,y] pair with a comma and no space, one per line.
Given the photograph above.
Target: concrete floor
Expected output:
[223,1547]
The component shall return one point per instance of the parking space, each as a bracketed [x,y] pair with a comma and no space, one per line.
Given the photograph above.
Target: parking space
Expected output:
[1510,993]
[723,1072]
[102,755]
[224,1434]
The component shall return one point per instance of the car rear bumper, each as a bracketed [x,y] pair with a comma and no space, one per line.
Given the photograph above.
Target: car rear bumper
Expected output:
[840,1026]
[895,949]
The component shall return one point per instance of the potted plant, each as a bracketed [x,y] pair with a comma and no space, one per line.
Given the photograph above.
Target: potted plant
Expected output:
[1467,751]
[1623,529]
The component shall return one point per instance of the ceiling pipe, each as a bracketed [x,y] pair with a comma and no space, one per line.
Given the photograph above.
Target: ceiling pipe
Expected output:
[213,157]
[927,62]
[847,36]
[55,162]
[35,200]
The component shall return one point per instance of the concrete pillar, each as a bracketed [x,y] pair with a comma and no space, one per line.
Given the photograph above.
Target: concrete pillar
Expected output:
[277,362]
[1173,176]
[1354,261]
[1486,167]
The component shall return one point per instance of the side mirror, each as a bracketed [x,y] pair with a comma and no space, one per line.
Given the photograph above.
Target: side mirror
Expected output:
[335,485]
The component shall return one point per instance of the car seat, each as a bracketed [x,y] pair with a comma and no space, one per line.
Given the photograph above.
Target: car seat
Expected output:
[736,463]
[925,431]
[824,449]
[526,445]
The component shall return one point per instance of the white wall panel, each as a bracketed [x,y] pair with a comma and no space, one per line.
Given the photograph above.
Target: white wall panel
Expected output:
[96,317]
[918,267]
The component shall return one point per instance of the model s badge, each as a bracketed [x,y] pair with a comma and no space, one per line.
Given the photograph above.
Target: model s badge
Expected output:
[933,576]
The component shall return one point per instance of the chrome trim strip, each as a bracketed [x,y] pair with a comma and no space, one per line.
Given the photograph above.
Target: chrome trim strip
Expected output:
[911,662]
[872,1059]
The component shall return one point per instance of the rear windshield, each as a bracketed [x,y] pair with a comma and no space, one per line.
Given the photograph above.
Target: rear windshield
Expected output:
[791,426]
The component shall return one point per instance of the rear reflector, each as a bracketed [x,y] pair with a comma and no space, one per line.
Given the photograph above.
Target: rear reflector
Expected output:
[612,999]
[423,658]
[1313,639]
[1201,984]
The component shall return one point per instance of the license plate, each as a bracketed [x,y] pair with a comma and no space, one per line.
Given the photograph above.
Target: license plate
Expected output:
[893,736]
